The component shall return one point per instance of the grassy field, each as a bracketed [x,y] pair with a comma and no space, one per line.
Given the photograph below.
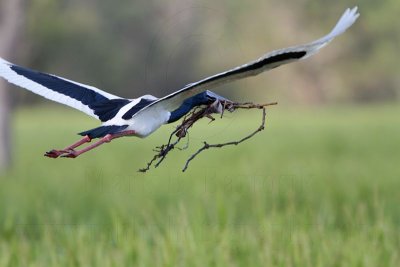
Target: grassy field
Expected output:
[318,187]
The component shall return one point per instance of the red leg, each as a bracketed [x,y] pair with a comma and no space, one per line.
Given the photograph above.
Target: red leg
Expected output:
[105,139]
[56,153]
[84,140]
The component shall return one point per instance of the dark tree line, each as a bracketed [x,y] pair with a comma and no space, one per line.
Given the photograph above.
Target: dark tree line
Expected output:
[131,48]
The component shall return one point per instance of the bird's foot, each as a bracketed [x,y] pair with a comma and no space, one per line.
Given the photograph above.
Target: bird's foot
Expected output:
[58,153]
[70,154]
[54,153]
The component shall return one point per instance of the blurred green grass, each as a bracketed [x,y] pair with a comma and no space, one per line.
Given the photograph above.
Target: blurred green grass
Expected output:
[318,187]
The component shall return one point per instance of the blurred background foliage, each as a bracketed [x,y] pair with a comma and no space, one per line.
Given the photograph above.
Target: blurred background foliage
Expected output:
[319,187]
[131,48]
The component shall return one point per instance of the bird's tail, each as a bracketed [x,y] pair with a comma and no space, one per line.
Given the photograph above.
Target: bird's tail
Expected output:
[103,130]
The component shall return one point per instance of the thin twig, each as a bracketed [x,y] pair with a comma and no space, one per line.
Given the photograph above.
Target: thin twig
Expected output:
[208,146]
[162,152]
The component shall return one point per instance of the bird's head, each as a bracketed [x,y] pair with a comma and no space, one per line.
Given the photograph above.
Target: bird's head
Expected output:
[217,102]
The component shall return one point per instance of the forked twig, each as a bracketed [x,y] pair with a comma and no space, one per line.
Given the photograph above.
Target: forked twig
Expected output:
[207,145]
[191,118]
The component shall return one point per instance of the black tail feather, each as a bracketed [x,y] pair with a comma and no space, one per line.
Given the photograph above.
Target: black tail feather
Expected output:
[103,131]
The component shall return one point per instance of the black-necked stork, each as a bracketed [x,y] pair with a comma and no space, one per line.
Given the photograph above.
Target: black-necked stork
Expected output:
[142,116]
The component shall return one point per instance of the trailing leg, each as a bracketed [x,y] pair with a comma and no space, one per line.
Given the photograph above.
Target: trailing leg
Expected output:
[56,153]
[106,139]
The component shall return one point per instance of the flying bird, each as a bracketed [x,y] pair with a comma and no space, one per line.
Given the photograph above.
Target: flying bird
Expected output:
[142,116]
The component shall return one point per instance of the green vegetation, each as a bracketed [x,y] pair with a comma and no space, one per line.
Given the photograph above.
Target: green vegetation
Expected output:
[319,187]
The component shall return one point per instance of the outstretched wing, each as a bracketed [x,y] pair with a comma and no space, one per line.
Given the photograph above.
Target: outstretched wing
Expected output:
[266,62]
[85,98]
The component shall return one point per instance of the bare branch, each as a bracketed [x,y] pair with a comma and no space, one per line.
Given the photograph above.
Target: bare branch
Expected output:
[191,118]
[207,146]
